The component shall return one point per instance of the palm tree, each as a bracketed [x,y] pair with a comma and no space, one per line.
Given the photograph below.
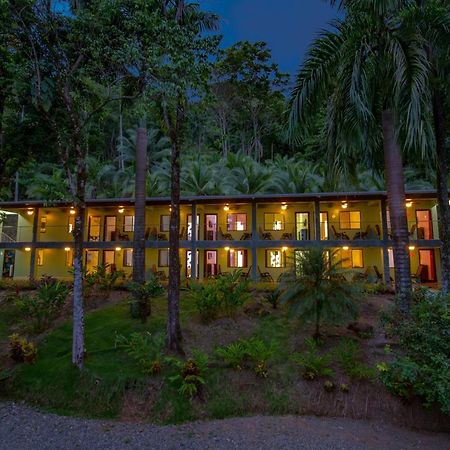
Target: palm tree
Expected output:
[372,76]
[316,290]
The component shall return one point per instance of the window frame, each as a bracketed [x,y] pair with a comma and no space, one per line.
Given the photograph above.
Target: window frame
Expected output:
[351,259]
[40,259]
[237,214]
[283,222]
[283,258]
[161,228]
[160,251]
[349,220]
[124,260]
[124,227]
[245,255]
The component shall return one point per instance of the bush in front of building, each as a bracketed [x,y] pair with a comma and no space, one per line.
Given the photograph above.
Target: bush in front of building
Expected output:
[21,350]
[421,365]
[143,294]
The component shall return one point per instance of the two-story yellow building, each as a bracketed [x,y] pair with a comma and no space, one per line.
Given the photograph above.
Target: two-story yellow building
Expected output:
[260,234]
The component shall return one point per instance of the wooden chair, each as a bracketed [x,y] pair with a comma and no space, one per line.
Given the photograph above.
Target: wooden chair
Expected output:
[225,236]
[286,236]
[412,230]
[378,231]
[245,275]
[123,237]
[159,273]
[265,236]
[363,276]
[161,237]
[363,234]
[265,276]
[378,274]
[246,237]
[421,274]
[339,235]
[147,234]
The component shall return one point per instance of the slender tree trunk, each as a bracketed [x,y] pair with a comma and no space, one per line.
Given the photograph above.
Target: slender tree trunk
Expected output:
[139,206]
[174,336]
[78,348]
[442,187]
[396,198]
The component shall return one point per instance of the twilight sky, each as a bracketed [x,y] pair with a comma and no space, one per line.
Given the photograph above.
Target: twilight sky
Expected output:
[288,26]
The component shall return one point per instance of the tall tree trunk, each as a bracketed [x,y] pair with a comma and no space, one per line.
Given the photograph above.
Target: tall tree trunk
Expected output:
[442,187]
[174,336]
[139,206]
[78,348]
[393,167]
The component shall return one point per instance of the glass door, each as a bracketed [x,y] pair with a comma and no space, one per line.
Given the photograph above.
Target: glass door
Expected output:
[91,260]
[323,226]
[210,227]
[424,224]
[109,257]
[302,226]
[426,258]
[110,228]
[9,258]
[210,263]
[189,227]
[189,264]
[94,228]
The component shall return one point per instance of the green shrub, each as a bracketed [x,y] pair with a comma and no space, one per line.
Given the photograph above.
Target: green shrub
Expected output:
[312,363]
[422,364]
[146,349]
[141,304]
[225,294]
[42,307]
[349,356]
[233,354]
[273,298]
[190,374]
[21,350]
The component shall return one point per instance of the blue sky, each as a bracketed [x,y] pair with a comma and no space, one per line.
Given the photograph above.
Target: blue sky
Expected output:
[288,26]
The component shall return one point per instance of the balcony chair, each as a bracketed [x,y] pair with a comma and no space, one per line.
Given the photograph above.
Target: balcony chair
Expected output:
[160,274]
[421,274]
[379,275]
[412,230]
[246,237]
[362,276]
[246,275]
[363,234]
[161,237]
[265,236]
[337,235]
[287,236]
[225,236]
[123,237]
[220,273]
[265,276]
[378,231]
[151,234]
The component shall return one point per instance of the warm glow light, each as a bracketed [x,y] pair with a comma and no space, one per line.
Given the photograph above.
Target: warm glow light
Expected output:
[118,249]
[226,207]
[227,248]
[344,205]
[284,249]
[30,211]
[72,210]
[67,249]
[121,209]
[345,247]
[28,249]
[412,247]
[231,250]
[284,207]
[408,204]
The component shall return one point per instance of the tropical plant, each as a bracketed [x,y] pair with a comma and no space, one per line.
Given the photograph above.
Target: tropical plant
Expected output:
[143,294]
[348,355]
[344,68]
[233,354]
[316,290]
[312,363]
[21,350]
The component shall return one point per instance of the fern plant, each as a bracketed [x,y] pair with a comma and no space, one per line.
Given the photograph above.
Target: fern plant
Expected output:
[233,354]
[312,363]
[348,355]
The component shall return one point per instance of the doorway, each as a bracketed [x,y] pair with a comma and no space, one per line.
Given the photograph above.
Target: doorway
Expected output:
[189,264]
[424,224]
[109,259]
[210,227]
[9,259]
[210,263]
[323,226]
[110,228]
[94,228]
[426,258]
[91,260]
[302,226]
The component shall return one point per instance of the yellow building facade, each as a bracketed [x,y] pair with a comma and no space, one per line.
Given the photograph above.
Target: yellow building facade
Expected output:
[259,234]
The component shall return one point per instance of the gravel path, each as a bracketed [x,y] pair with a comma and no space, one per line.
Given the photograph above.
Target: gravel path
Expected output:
[23,428]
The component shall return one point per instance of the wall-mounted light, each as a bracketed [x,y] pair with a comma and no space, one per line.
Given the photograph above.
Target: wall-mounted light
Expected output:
[28,249]
[411,248]
[121,210]
[227,248]
[344,205]
[67,249]
[118,249]
[345,247]
[72,210]
[226,207]
[284,249]
[284,206]
[231,250]
[30,211]
[408,203]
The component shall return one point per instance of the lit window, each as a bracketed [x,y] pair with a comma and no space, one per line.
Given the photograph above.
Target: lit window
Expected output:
[237,222]
[128,257]
[352,259]
[237,258]
[350,220]
[128,223]
[40,257]
[69,258]
[43,225]
[274,258]
[163,258]
[164,224]
[71,224]
[391,258]
[273,221]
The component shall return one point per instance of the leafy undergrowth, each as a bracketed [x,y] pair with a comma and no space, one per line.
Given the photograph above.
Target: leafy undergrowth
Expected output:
[114,384]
